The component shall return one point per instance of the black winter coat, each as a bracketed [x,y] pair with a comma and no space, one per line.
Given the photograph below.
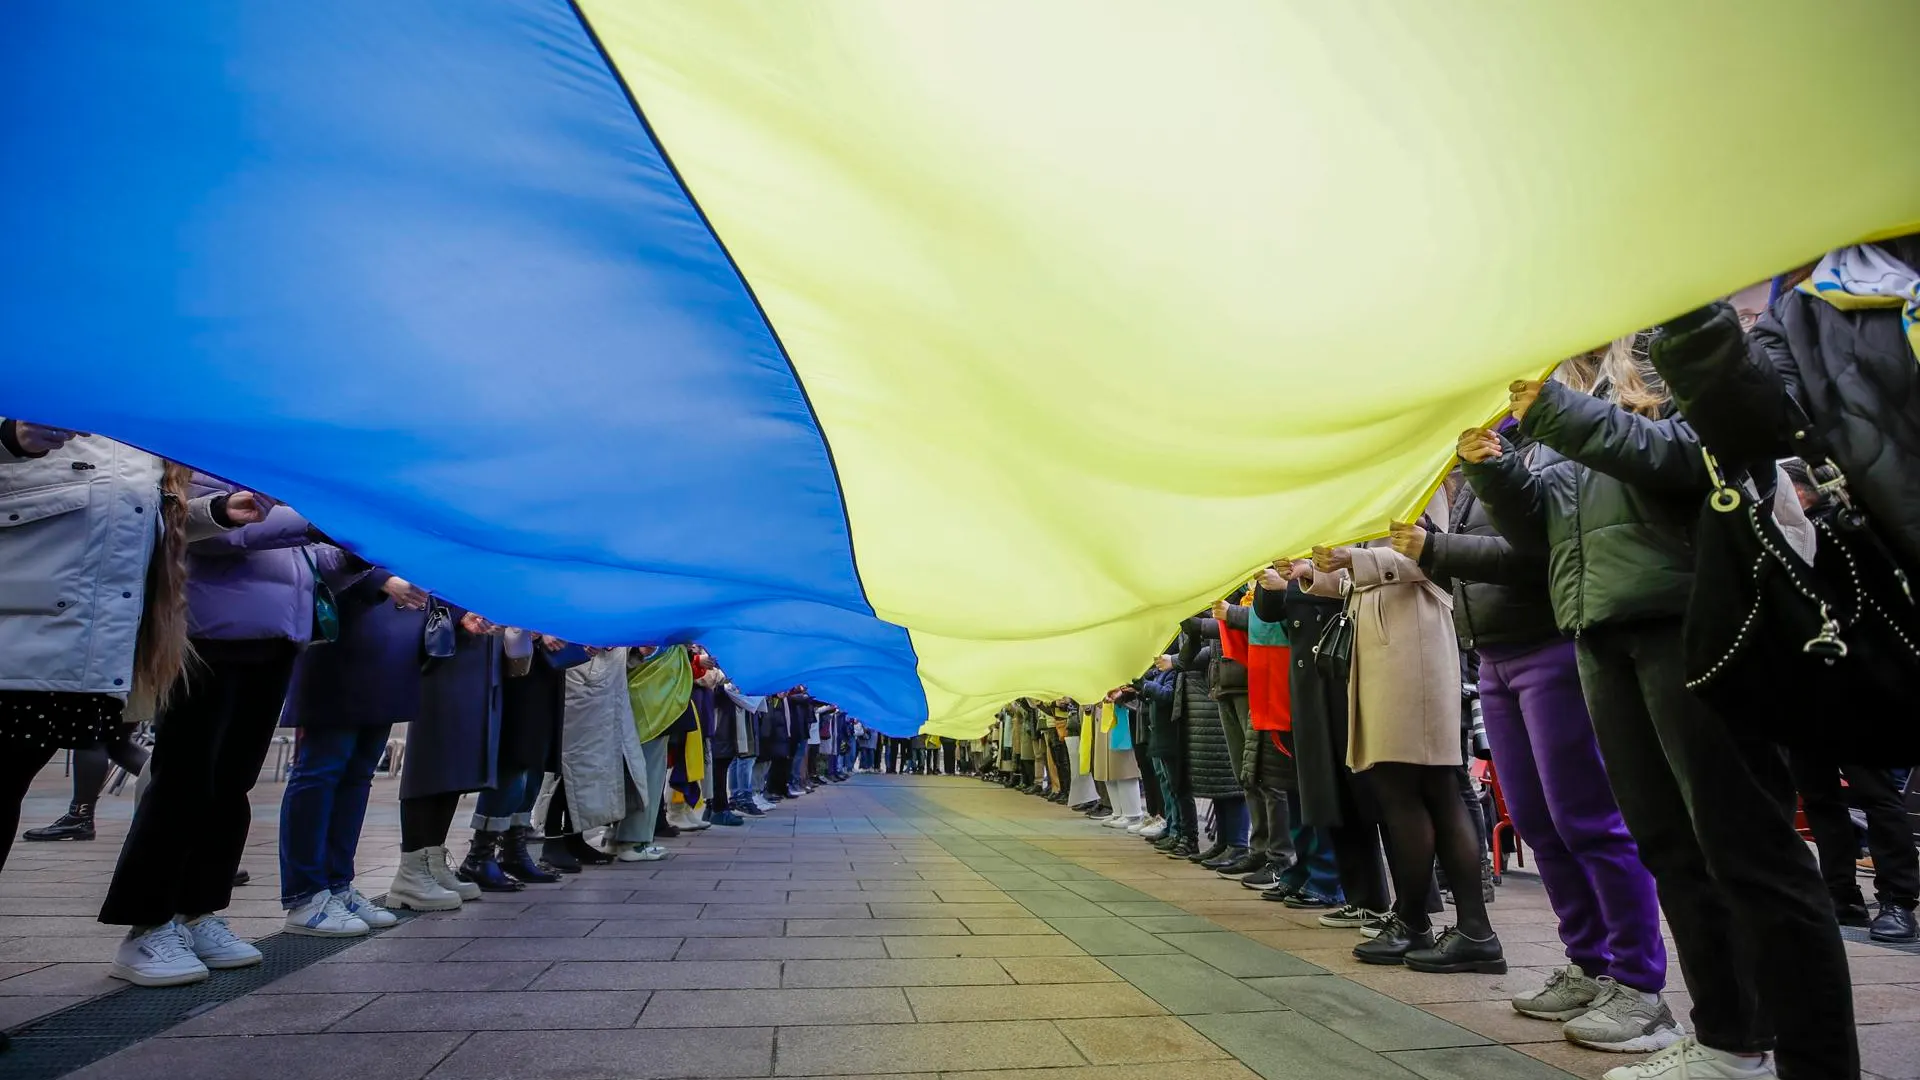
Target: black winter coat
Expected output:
[1499,591]
[1211,771]
[1614,505]
[531,709]
[1852,371]
[1319,702]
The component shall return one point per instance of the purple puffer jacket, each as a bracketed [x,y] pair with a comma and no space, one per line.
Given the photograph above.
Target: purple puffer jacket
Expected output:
[253,583]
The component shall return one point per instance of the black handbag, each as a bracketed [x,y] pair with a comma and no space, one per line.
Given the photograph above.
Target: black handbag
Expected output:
[1823,658]
[437,640]
[1333,653]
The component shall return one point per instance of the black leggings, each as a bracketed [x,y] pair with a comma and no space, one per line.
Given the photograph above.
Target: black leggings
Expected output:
[425,820]
[1424,817]
[19,764]
[557,823]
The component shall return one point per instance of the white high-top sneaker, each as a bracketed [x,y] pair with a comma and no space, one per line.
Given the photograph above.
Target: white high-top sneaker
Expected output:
[416,888]
[442,872]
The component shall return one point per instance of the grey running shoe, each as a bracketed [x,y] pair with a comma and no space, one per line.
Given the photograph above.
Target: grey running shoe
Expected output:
[1570,992]
[1623,1022]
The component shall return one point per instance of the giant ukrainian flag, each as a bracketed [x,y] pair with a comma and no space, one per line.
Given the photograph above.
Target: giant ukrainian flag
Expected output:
[928,352]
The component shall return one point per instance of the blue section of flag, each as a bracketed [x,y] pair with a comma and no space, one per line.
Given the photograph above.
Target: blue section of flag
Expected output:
[417,269]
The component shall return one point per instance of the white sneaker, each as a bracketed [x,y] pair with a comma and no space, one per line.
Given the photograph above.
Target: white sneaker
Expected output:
[1688,1060]
[761,802]
[1158,831]
[1623,1021]
[1120,822]
[683,817]
[1570,992]
[163,956]
[323,915]
[443,875]
[641,853]
[217,946]
[366,910]
[1144,824]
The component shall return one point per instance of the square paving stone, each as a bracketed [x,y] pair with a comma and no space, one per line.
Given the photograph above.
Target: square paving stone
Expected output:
[873,927]
[1476,1063]
[1110,937]
[758,1008]
[784,948]
[1057,969]
[1238,956]
[982,945]
[1288,1046]
[1174,924]
[282,1057]
[579,896]
[1059,903]
[933,1004]
[1105,892]
[268,1015]
[532,926]
[852,909]
[496,949]
[639,1054]
[1186,985]
[674,975]
[1006,909]
[643,926]
[1141,909]
[1214,1069]
[1013,926]
[1369,1018]
[1497,1021]
[512,1011]
[384,978]
[879,1048]
[1138,1040]
[935,972]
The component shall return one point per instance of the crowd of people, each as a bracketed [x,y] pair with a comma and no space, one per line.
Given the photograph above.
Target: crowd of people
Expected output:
[1329,735]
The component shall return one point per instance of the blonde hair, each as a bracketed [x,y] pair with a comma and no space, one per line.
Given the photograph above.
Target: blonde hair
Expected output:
[1622,371]
[1627,368]
[162,654]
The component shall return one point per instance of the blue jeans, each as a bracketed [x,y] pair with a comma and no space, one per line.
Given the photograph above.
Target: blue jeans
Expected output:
[1231,820]
[509,802]
[324,806]
[1313,868]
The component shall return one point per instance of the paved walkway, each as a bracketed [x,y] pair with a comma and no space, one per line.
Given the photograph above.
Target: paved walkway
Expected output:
[886,927]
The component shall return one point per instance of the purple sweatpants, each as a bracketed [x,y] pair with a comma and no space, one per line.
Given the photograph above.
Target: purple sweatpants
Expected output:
[1562,804]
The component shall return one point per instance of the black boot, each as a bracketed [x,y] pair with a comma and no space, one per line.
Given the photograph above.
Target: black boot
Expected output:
[75,824]
[1229,857]
[519,863]
[1218,849]
[1393,944]
[1457,954]
[482,864]
[1252,862]
[586,853]
[555,854]
[1895,925]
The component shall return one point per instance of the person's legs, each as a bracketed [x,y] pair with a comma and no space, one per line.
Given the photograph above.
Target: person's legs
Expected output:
[19,764]
[1149,782]
[1456,845]
[1715,958]
[1825,804]
[494,809]
[306,811]
[1896,862]
[1410,828]
[90,767]
[426,820]
[1230,817]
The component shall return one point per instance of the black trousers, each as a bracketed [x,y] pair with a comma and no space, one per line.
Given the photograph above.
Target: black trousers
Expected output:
[1896,863]
[1713,816]
[191,826]
[19,764]
[1062,765]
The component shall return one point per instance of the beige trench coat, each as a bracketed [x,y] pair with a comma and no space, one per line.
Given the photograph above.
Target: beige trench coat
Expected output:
[1403,693]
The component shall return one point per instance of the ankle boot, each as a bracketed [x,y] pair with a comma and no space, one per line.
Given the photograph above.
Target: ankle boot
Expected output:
[482,864]
[588,855]
[75,824]
[555,855]
[519,863]
[415,888]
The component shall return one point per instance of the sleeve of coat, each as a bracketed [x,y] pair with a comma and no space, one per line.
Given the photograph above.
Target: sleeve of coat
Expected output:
[1512,496]
[1492,559]
[1270,606]
[1327,585]
[1662,454]
[283,527]
[200,521]
[1237,617]
[11,452]
[1384,566]
[1732,387]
